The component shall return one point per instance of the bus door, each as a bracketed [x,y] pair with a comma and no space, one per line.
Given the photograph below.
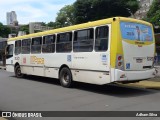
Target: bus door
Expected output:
[9,58]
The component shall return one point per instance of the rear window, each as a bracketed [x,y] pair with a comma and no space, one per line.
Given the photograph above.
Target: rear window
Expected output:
[136,31]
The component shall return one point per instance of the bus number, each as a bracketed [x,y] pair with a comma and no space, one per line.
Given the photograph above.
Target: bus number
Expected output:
[16,58]
[130,33]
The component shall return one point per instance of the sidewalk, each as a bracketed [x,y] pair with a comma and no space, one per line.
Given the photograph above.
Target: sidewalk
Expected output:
[2,118]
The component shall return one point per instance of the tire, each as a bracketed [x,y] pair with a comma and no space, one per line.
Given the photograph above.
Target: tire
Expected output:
[65,77]
[18,73]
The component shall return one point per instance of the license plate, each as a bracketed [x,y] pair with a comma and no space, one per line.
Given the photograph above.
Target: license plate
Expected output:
[139,60]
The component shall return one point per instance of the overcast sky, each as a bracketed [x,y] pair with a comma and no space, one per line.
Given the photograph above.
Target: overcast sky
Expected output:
[32,10]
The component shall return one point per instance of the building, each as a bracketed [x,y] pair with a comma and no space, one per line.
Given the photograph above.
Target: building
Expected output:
[144,8]
[37,27]
[12,18]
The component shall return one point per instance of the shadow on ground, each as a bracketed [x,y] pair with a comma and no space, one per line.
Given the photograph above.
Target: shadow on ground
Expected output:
[116,90]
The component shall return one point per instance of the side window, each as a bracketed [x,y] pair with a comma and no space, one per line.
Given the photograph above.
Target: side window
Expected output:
[101,42]
[64,42]
[83,40]
[26,46]
[17,47]
[48,44]
[10,50]
[36,45]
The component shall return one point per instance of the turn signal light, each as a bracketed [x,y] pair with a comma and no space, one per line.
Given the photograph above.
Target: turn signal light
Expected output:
[119,63]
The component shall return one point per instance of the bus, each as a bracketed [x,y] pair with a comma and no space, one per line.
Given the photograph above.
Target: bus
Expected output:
[116,49]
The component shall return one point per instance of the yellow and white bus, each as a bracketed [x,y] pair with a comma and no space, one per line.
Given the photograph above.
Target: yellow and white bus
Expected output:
[110,50]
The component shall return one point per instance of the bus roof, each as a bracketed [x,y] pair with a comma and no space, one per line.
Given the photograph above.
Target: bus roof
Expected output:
[79,26]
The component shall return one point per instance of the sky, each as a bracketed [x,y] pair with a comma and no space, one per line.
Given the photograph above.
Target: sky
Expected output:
[32,10]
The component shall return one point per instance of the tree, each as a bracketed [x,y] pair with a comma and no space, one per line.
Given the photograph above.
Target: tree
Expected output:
[65,17]
[4,31]
[43,24]
[82,11]
[24,28]
[153,14]
[131,5]
[51,24]
[90,10]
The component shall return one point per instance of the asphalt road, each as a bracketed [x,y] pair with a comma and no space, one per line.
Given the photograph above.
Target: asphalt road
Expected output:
[45,94]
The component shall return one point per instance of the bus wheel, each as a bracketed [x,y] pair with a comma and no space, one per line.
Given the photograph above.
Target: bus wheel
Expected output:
[65,77]
[18,72]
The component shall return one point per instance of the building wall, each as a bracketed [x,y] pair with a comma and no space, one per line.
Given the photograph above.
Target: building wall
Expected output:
[37,26]
[144,8]
[11,18]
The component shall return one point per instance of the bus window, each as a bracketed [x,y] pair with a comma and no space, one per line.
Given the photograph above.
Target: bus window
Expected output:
[48,44]
[36,45]
[64,42]
[26,46]
[101,42]
[17,47]
[83,40]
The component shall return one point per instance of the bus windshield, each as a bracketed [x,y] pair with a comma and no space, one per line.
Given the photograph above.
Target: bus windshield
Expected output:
[10,50]
[135,31]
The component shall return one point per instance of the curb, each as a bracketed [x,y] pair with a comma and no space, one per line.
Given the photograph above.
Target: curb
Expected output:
[2,118]
[3,68]
[145,84]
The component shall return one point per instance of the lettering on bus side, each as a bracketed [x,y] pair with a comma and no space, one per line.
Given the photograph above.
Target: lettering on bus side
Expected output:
[17,58]
[36,60]
[141,43]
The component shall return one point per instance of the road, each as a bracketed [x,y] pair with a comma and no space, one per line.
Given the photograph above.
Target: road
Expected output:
[45,94]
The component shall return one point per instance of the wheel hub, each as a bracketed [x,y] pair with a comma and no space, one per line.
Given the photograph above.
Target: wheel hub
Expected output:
[66,77]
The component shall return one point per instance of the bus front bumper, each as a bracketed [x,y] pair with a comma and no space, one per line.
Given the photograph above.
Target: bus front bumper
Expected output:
[134,75]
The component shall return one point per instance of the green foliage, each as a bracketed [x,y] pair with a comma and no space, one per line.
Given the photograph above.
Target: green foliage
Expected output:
[82,11]
[24,28]
[43,24]
[153,14]
[131,5]
[65,17]
[4,31]
[51,24]
[90,10]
